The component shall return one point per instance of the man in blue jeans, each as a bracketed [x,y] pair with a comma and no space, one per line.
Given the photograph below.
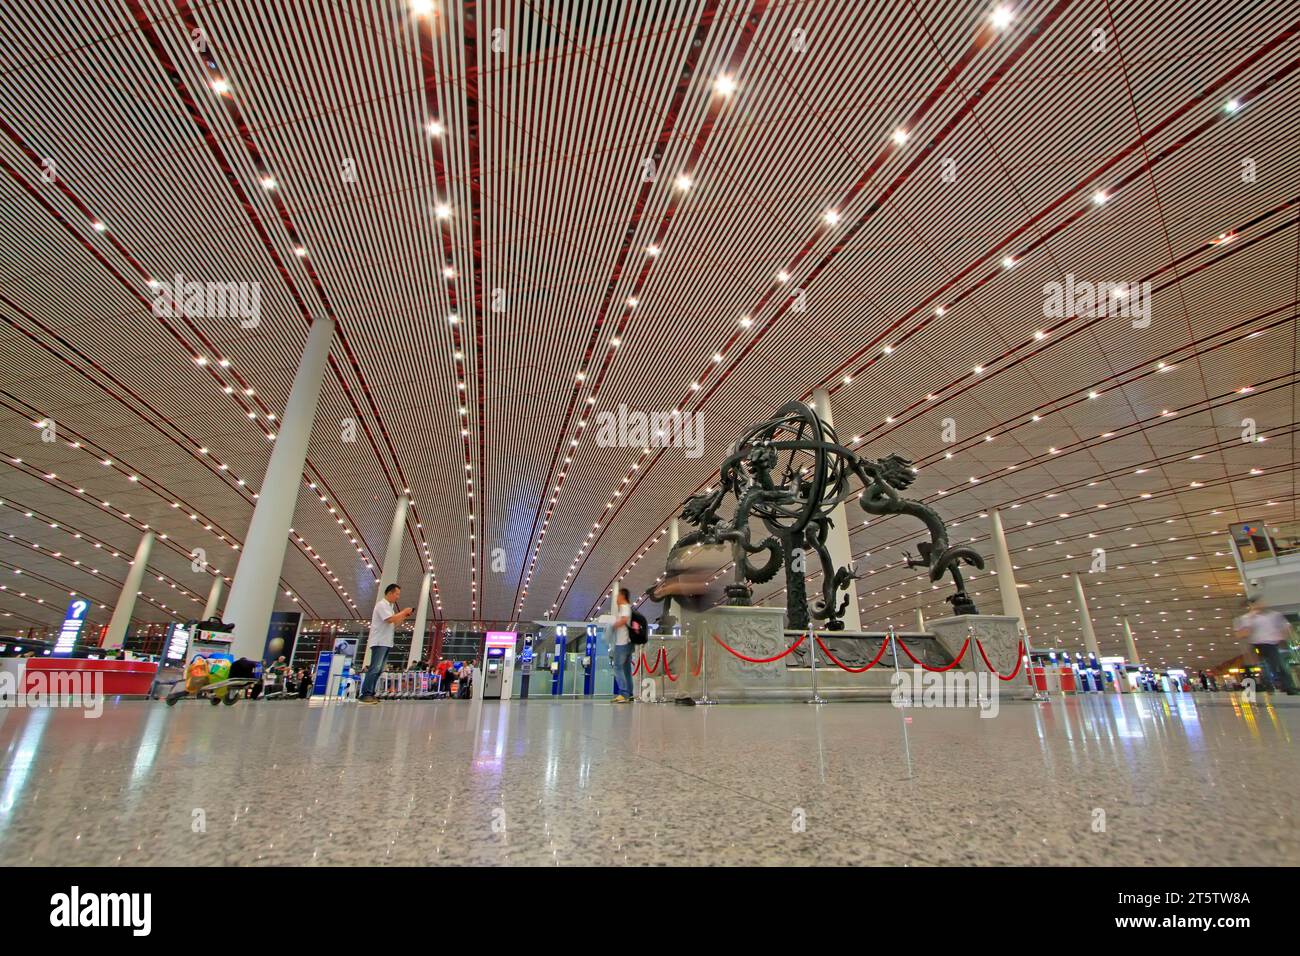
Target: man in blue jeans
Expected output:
[622,648]
[382,624]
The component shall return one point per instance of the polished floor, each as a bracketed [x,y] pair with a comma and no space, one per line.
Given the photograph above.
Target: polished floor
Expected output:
[1139,780]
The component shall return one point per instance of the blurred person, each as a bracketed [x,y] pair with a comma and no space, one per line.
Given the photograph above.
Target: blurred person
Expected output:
[1268,631]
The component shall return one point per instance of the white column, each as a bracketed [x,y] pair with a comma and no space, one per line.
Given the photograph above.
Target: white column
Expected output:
[1130,645]
[257,578]
[920,621]
[1006,572]
[214,597]
[393,553]
[674,534]
[126,600]
[421,617]
[1085,619]
[837,541]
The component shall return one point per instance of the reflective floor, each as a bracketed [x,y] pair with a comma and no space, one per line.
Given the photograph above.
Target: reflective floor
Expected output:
[1183,779]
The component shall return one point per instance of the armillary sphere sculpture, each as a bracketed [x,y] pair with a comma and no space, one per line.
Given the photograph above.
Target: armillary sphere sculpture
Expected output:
[791,472]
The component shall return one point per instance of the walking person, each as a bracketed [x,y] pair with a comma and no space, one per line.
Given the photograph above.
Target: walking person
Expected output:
[622,648]
[382,624]
[1269,632]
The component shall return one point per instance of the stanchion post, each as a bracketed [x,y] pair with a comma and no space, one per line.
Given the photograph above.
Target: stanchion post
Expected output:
[704,697]
[907,747]
[1040,697]
[663,671]
[972,639]
[816,698]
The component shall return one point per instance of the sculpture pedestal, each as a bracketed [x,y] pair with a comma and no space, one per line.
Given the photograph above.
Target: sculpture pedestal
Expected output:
[758,633]
[999,636]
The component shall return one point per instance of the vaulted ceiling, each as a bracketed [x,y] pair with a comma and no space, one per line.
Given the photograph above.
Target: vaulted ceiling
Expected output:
[523,215]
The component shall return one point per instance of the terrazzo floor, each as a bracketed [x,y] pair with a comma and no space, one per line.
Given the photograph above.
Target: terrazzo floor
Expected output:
[1138,780]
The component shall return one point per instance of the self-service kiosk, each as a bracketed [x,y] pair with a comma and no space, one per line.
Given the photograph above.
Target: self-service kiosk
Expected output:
[498,666]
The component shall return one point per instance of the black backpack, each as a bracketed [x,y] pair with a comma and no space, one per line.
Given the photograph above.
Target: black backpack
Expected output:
[638,628]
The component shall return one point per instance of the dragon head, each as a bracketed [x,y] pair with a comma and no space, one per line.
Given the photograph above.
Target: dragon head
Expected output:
[896,470]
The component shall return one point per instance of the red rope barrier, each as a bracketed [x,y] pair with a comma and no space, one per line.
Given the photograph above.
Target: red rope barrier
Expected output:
[663,653]
[760,660]
[960,655]
[700,664]
[854,670]
[646,663]
[1020,659]
[636,666]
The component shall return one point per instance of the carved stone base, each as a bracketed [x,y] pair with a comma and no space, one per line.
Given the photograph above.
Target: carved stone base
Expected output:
[1000,638]
[757,633]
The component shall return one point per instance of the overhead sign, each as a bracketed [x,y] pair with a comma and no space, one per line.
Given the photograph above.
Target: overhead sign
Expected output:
[73,623]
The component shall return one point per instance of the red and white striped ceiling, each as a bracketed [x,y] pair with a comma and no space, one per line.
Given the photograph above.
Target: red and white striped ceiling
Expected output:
[525,214]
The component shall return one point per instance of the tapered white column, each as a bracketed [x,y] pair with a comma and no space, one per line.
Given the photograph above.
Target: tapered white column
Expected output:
[837,540]
[1006,572]
[920,621]
[393,553]
[1085,619]
[257,578]
[674,534]
[117,624]
[214,597]
[421,617]
[1130,645]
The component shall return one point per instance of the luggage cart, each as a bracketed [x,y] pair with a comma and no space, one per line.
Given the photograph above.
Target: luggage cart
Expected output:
[208,692]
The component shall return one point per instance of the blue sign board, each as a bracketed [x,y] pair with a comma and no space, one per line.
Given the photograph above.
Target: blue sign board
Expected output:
[73,623]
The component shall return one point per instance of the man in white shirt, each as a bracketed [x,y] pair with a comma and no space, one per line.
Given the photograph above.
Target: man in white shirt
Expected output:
[1269,632]
[622,648]
[382,624]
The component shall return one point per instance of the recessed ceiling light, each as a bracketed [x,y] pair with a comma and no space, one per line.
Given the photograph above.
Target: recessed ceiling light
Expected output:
[1002,16]
[725,85]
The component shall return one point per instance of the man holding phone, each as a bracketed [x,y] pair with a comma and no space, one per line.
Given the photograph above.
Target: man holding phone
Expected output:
[382,624]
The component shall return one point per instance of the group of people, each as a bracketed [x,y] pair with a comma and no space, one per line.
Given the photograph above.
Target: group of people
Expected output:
[279,678]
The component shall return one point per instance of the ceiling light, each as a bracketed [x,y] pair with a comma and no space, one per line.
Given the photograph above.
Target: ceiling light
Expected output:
[442,211]
[220,86]
[652,250]
[268,183]
[1002,17]
[435,128]
[1232,105]
[724,85]
[683,182]
[1099,198]
[832,217]
[900,137]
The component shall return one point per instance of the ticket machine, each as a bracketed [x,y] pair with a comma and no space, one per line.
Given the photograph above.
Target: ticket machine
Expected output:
[498,665]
